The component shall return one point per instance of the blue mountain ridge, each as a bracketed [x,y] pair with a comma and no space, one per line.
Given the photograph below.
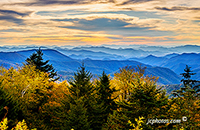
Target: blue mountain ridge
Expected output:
[63,63]
[175,62]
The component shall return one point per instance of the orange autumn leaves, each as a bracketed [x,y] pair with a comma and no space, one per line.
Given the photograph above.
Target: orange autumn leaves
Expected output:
[43,102]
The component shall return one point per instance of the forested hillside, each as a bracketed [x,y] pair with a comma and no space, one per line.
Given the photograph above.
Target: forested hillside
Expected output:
[66,65]
[86,103]
[31,97]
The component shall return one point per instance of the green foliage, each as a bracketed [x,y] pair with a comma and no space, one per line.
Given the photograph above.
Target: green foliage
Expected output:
[37,60]
[26,92]
[140,97]
[105,104]
[105,92]
[78,115]
[9,107]
[82,90]
[81,86]
[186,100]
[191,87]
[117,121]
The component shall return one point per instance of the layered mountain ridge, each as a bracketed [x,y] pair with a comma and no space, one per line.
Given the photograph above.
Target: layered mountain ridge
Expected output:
[167,66]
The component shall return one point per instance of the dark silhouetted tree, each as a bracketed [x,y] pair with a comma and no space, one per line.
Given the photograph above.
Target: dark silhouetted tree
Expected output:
[81,86]
[83,104]
[37,60]
[105,93]
[187,97]
[190,87]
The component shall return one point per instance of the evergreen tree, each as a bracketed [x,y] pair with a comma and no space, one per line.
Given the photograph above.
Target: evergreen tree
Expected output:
[37,60]
[187,97]
[83,91]
[190,87]
[77,116]
[104,93]
[145,100]
[81,85]
[9,107]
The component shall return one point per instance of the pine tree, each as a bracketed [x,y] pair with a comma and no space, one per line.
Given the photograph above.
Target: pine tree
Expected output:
[37,60]
[81,85]
[190,87]
[77,118]
[82,90]
[9,107]
[188,97]
[104,93]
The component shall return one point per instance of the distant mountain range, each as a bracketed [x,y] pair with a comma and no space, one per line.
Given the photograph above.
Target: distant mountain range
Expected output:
[66,65]
[165,62]
[110,52]
[175,62]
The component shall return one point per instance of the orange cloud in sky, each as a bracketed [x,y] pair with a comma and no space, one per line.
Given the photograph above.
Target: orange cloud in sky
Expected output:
[100,22]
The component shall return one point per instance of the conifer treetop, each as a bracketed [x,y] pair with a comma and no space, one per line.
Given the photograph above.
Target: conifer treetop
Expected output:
[187,74]
[36,59]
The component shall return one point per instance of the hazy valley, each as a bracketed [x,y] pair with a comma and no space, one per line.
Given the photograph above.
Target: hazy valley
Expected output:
[165,63]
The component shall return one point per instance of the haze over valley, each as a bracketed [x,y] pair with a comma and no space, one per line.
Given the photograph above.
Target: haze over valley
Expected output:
[164,62]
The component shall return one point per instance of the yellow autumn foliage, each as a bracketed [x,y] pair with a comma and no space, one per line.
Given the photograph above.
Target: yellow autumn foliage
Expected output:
[21,125]
[127,79]
[41,100]
[3,124]
[138,125]
[33,91]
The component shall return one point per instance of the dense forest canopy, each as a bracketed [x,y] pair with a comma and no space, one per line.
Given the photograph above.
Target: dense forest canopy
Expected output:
[129,100]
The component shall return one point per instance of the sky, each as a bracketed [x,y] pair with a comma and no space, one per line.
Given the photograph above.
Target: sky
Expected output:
[97,22]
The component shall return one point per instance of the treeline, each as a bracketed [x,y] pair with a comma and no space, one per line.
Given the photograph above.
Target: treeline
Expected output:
[129,100]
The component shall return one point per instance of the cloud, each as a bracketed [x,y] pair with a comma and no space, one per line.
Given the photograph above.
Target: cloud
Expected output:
[44,2]
[12,12]
[10,30]
[99,24]
[11,19]
[52,2]
[75,20]
[125,27]
[59,2]
[177,8]
[106,22]
[133,2]
[13,16]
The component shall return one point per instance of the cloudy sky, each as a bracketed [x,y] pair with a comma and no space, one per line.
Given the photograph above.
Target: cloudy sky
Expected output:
[96,22]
